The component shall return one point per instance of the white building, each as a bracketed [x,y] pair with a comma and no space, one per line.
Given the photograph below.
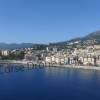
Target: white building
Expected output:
[48,59]
[47,49]
[55,49]
[5,52]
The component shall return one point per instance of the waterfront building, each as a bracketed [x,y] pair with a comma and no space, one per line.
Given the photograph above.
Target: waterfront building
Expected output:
[5,52]
[53,59]
[28,57]
[57,60]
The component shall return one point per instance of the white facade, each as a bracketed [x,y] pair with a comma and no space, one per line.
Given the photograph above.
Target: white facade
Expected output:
[5,52]
[47,49]
[48,59]
[54,49]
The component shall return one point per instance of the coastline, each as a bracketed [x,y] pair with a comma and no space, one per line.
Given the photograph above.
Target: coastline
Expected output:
[33,63]
[13,62]
[78,67]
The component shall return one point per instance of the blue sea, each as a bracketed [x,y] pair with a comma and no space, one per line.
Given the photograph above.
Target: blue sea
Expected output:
[49,83]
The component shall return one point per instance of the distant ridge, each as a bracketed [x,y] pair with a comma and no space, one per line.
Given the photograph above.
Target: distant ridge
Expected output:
[94,35]
[15,45]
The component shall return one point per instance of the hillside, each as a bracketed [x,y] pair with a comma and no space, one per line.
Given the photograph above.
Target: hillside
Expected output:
[93,35]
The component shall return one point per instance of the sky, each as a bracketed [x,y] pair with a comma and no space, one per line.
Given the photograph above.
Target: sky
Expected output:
[45,21]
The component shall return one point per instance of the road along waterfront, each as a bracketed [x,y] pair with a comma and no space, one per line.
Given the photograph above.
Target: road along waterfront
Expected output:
[34,64]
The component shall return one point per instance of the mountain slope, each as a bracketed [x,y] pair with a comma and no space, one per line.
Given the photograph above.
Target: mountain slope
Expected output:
[93,35]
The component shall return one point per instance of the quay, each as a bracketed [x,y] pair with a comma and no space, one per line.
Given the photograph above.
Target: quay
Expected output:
[77,67]
[14,62]
[34,63]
